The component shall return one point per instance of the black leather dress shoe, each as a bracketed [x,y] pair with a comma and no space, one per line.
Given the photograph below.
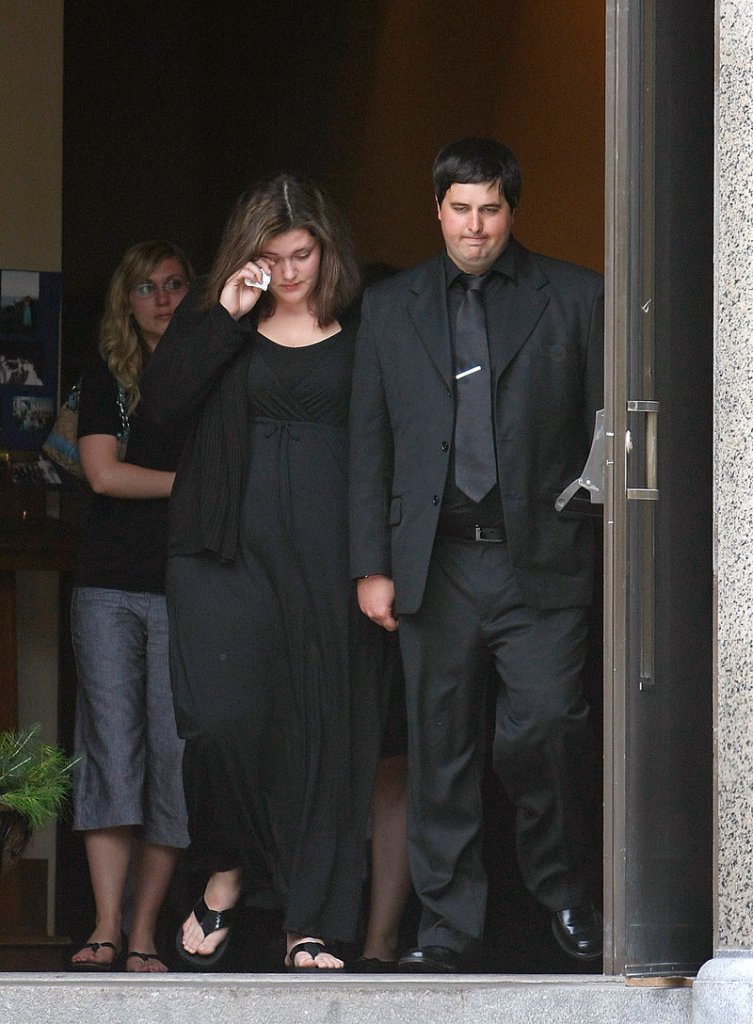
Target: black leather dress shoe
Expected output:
[430,960]
[579,931]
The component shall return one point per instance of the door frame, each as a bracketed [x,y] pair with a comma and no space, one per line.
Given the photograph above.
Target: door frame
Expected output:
[658,571]
[627,77]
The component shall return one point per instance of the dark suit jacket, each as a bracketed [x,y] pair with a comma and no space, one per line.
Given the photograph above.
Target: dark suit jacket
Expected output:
[546,344]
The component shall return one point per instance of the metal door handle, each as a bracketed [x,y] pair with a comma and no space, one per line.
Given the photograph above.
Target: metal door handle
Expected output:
[650,492]
[592,477]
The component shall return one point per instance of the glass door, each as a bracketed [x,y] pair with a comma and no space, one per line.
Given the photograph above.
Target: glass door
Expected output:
[657,839]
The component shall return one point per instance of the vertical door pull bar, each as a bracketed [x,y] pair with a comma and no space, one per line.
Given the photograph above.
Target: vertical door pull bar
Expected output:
[651,411]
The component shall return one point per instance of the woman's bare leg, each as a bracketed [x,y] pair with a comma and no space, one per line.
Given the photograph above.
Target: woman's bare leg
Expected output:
[390,872]
[153,870]
[108,852]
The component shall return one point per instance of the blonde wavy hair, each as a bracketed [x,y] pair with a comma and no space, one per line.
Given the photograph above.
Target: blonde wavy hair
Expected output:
[120,343]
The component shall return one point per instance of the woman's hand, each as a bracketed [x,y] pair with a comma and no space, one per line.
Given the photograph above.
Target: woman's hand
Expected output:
[237,296]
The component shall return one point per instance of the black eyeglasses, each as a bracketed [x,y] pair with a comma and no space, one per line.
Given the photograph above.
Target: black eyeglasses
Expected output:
[149,288]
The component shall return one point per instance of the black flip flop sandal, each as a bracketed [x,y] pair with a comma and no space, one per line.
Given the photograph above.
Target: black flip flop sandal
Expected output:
[144,957]
[209,921]
[313,949]
[90,966]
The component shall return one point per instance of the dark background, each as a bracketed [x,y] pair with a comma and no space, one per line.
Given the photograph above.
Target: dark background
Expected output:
[170,112]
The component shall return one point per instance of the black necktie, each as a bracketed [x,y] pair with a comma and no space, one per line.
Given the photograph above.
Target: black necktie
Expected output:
[475,462]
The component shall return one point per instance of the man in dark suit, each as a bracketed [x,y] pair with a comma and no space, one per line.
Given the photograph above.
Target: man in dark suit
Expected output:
[478,375]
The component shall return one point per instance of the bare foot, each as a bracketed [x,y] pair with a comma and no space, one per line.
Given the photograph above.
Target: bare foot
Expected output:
[222,892]
[96,952]
[144,963]
[323,961]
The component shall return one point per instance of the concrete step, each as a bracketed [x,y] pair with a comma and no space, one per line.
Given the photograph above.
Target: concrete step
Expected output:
[349,999]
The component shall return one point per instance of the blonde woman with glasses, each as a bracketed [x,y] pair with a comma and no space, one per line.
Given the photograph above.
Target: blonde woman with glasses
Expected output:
[128,795]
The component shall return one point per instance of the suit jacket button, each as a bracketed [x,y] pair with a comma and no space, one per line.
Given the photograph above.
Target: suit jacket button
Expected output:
[435,500]
[445,446]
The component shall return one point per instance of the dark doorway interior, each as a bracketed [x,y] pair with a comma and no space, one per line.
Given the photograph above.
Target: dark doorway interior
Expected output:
[168,117]
[171,112]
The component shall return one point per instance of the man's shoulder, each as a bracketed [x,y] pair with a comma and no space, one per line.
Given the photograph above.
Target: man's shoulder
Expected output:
[404,281]
[559,272]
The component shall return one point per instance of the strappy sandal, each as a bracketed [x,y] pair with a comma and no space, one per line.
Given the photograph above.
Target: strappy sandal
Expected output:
[313,949]
[209,921]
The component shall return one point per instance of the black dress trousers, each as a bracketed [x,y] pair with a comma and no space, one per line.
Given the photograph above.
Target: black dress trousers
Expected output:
[473,617]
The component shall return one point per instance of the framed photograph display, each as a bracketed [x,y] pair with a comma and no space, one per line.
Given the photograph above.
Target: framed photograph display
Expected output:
[29,354]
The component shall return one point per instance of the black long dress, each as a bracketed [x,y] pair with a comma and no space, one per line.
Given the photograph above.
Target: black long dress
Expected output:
[275,671]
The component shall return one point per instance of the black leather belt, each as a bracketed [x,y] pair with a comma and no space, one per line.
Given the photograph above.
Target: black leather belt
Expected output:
[483,534]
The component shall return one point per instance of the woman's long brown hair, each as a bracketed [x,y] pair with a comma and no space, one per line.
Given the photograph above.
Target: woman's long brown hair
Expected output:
[288,204]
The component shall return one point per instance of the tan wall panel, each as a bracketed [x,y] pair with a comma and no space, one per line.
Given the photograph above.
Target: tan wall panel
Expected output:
[31,115]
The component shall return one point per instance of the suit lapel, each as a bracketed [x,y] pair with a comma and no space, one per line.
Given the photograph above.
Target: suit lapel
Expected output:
[510,321]
[515,310]
[427,307]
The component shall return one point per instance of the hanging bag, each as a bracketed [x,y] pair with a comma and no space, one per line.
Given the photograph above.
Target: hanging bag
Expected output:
[61,446]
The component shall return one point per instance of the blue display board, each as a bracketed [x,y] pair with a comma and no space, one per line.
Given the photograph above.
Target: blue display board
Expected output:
[29,356]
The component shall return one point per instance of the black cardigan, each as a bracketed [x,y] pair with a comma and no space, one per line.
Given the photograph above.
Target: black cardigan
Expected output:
[199,370]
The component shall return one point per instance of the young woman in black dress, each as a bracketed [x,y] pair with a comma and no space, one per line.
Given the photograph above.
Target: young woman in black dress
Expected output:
[275,672]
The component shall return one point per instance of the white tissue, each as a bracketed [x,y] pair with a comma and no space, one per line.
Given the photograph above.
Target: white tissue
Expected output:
[262,285]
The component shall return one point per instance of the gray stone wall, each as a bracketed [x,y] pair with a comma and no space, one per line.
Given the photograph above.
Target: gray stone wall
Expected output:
[734,474]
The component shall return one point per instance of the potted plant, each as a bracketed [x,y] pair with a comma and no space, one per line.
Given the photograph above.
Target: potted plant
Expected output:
[35,780]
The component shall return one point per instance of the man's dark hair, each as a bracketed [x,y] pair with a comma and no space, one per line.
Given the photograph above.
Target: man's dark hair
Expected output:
[472,161]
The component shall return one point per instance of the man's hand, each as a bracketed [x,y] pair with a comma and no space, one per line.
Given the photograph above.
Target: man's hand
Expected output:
[376,597]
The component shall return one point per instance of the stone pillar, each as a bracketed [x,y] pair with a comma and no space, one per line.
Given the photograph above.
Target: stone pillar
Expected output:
[723,991]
